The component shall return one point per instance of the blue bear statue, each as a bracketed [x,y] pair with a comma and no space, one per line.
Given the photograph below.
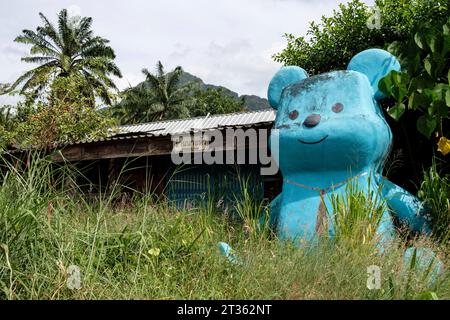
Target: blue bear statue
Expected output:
[330,132]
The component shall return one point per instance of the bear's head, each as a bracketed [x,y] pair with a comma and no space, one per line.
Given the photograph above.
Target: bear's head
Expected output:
[332,121]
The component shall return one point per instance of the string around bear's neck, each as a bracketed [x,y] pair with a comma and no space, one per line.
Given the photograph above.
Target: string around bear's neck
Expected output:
[322,191]
[322,217]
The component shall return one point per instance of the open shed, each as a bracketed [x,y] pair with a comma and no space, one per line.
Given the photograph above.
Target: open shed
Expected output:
[139,158]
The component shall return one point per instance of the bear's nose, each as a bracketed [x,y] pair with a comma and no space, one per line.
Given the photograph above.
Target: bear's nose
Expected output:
[312,120]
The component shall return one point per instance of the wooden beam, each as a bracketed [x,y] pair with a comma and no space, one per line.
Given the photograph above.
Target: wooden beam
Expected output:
[149,146]
[114,149]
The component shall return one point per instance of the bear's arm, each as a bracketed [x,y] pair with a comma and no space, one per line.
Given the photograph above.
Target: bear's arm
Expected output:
[407,208]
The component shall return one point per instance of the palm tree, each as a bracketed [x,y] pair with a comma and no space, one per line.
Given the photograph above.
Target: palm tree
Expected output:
[136,105]
[160,96]
[70,49]
[168,95]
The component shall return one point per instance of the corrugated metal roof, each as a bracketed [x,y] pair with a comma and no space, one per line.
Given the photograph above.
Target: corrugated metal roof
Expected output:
[171,127]
[200,123]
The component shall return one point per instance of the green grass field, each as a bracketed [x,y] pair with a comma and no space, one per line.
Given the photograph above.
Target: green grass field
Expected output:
[146,250]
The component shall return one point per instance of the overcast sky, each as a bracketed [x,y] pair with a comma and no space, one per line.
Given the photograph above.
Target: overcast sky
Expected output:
[224,42]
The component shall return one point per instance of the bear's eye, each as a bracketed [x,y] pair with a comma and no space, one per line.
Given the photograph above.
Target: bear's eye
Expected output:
[338,107]
[293,115]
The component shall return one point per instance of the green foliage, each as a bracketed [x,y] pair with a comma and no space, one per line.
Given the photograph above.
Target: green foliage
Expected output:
[60,94]
[5,138]
[7,117]
[160,97]
[250,210]
[394,84]
[424,86]
[330,44]
[169,98]
[67,117]
[11,116]
[428,295]
[7,124]
[67,50]
[435,192]
[135,106]
[418,267]
[149,250]
[3,88]
[213,101]
[357,215]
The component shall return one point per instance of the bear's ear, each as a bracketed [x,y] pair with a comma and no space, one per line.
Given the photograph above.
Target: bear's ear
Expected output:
[284,77]
[375,64]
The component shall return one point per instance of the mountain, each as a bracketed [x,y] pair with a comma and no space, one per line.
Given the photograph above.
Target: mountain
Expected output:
[251,102]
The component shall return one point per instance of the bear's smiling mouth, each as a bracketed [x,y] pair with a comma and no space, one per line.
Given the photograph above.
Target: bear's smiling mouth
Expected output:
[313,142]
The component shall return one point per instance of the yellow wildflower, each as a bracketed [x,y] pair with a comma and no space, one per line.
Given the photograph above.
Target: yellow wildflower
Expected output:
[154,252]
[444,145]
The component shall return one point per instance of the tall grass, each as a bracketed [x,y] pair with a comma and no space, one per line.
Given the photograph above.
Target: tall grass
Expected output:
[151,250]
[357,214]
[435,191]
[252,211]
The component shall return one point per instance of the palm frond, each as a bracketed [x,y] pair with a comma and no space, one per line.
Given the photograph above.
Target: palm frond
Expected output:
[45,51]
[62,26]
[49,30]
[160,69]
[37,59]
[29,74]
[151,78]
[98,86]
[174,79]
[83,30]
[31,37]
[37,82]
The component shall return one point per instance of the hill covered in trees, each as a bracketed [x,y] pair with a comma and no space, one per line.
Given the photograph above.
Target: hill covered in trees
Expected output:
[178,94]
[251,102]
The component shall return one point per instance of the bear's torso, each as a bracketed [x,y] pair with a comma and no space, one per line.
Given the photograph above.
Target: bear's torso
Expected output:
[304,209]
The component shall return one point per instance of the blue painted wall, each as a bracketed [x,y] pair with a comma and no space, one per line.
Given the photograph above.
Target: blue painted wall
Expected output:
[191,185]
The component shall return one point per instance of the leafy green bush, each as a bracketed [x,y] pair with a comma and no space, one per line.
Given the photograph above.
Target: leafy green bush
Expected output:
[424,86]
[330,44]
[66,116]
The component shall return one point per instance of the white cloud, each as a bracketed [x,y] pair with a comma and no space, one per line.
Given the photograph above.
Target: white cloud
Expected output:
[73,10]
[225,42]
[13,52]
[129,79]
